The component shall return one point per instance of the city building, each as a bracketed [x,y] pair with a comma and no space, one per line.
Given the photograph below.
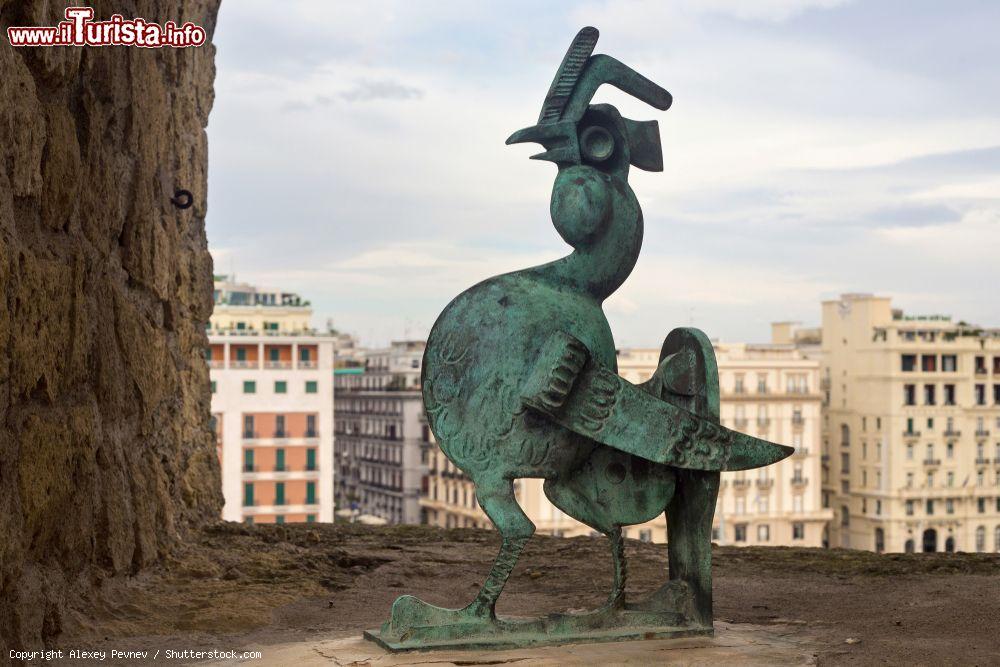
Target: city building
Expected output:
[272,405]
[379,431]
[768,390]
[912,429]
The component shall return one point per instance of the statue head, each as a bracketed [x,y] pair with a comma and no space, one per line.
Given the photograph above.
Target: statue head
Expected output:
[575,132]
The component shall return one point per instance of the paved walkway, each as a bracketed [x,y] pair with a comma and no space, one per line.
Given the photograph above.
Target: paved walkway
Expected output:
[733,645]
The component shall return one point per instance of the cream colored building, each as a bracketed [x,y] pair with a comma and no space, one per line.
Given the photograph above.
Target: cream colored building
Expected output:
[770,390]
[272,406]
[912,430]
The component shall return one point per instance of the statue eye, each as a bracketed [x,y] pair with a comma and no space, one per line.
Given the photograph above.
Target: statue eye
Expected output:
[596,144]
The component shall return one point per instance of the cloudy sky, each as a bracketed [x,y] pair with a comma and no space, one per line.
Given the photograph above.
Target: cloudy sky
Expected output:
[814,147]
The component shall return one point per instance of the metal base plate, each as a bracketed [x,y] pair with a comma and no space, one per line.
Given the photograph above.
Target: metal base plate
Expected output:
[491,639]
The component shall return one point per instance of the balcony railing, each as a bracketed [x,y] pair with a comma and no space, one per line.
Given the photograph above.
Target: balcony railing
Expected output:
[243,363]
[765,483]
[801,452]
[312,433]
[911,434]
[216,363]
[798,421]
[932,462]
[250,435]
[277,364]
[741,483]
[307,363]
[280,434]
[982,432]
[982,461]
[952,433]
[800,481]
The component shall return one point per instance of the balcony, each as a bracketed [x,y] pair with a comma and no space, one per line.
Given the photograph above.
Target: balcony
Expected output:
[911,434]
[740,423]
[800,481]
[308,363]
[982,433]
[740,484]
[250,435]
[216,363]
[952,433]
[981,461]
[798,422]
[277,364]
[801,452]
[242,363]
[765,483]
[312,433]
[932,462]
[280,433]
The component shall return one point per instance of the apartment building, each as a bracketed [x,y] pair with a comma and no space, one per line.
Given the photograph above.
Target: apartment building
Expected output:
[272,405]
[379,433]
[912,429]
[768,390]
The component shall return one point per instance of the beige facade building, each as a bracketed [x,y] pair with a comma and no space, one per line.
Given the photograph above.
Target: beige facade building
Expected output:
[769,390]
[912,430]
[272,406]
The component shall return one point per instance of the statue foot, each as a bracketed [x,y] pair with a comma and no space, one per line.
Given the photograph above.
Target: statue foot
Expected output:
[409,612]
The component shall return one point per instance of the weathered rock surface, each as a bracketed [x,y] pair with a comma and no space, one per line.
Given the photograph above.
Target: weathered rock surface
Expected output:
[106,453]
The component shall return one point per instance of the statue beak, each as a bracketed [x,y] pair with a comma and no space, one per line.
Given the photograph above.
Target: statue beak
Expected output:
[558,138]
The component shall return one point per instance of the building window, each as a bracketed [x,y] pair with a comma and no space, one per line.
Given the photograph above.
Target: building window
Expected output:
[213,386]
[930,507]
[909,394]
[248,460]
[949,394]
[929,397]
[909,508]
[310,493]
[763,533]
[908,362]
[249,387]
[980,394]
[279,519]
[740,532]
[310,426]
[798,530]
[248,427]
[981,539]
[645,535]
[928,363]
[280,387]
[909,452]
[879,540]
[310,459]
[311,386]
[304,354]
[279,460]
[949,363]
[248,494]
[279,493]
[310,518]
[845,516]
[241,354]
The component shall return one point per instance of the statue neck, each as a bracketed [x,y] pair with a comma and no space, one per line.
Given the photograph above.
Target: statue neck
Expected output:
[600,268]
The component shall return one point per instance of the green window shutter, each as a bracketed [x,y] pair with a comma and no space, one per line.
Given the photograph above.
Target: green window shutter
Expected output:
[311,386]
[249,387]
[248,494]
[208,354]
[310,459]
[279,493]
[310,518]
[214,387]
[303,354]
[241,354]
[248,460]
[273,352]
[280,387]
[310,493]
[248,519]
[279,459]
[279,519]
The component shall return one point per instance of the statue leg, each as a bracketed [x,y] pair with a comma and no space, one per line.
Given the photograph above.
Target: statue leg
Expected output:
[689,541]
[617,598]
[496,497]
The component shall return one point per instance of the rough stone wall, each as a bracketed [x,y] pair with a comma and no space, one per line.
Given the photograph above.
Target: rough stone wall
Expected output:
[106,454]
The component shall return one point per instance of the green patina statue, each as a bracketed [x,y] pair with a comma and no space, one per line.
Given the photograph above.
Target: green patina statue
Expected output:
[519,380]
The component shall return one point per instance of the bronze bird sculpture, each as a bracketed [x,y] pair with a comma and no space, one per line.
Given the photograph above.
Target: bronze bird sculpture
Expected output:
[519,380]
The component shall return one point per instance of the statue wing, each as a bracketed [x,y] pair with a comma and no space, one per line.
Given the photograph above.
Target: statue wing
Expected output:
[569,387]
